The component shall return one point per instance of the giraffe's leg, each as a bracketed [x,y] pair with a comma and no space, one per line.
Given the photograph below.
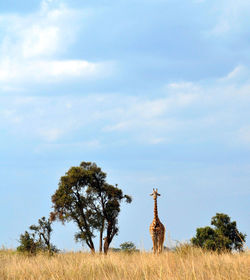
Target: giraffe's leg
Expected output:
[159,246]
[162,240]
[155,244]
[153,240]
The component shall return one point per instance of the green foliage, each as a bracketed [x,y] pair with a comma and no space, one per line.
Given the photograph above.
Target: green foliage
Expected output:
[38,240]
[28,244]
[128,247]
[84,197]
[115,249]
[224,236]
[43,232]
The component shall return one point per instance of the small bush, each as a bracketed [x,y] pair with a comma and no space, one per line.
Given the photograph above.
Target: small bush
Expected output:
[28,244]
[128,247]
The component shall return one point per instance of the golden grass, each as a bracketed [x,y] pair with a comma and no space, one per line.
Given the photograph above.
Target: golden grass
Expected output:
[192,264]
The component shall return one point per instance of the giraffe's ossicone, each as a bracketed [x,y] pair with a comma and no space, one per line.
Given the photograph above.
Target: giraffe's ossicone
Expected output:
[157,229]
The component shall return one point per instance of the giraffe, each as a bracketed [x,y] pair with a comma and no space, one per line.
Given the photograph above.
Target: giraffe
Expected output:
[157,229]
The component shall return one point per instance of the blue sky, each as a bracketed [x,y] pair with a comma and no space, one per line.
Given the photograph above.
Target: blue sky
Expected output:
[157,93]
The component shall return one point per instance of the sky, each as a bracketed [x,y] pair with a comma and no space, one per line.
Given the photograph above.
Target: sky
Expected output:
[155,92]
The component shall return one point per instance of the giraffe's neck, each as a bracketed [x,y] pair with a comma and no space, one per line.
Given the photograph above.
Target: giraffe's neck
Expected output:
[155,210]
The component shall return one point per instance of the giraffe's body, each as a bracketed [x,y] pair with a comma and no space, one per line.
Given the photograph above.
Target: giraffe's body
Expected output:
[157,229]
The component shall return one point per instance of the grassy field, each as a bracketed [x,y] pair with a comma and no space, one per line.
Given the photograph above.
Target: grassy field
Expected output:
[189,264]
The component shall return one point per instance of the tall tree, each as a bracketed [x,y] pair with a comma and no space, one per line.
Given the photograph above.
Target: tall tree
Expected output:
[224,236]
[84,197]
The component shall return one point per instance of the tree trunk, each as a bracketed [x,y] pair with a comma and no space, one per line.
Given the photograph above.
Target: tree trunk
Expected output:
[91,246]
[106,245]
[110,234]
[101,236]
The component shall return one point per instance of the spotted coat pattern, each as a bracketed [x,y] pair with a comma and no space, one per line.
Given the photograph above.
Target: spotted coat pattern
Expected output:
[157,229]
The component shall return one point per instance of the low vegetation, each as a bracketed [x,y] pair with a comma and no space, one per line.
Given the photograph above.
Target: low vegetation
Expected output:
[186,263]
[224,236]
[38,240]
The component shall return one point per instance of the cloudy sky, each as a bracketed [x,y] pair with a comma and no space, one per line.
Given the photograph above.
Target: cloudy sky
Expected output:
[156,92]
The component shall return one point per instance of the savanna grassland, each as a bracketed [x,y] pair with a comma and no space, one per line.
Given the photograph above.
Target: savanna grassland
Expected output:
[190,264]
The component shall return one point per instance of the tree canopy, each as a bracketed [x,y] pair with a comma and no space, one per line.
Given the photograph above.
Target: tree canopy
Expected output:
[84,197]
[223,236]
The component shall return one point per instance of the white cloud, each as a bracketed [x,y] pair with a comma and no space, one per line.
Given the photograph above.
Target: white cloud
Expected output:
[193,109]
[32,47]
[215,110]
[42,34]
[40,41]
[240,72]
[232,16]
[48,118]
[50,70]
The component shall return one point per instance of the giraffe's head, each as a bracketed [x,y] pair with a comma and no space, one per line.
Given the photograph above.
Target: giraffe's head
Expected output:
[155,193]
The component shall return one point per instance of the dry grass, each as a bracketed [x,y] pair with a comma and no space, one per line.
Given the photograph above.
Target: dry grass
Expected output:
[188,264]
